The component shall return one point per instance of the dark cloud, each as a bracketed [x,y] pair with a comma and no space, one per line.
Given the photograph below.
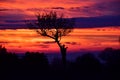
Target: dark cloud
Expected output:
[71,43]
[99,8]
[111,7]
[44,9]
[3,9]
[12,19]
[7,42]
[15,21]
[34,9]
[7,0]
[48,42]
[81,22]
[12,26]
[57,8]
[77,9]
[102,21]
[43,45]
[17,15]
[1,42]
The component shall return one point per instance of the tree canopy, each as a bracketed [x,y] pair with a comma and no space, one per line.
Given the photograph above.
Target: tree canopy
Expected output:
[52,25]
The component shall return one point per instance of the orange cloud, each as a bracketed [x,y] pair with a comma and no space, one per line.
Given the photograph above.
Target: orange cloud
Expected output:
[22,40]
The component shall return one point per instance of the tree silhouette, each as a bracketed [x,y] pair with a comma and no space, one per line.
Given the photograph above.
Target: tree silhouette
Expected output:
[3,50]
[53,26]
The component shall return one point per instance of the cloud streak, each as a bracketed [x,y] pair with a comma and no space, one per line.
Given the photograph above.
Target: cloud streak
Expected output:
[88,13]
[102,21]
[81,22]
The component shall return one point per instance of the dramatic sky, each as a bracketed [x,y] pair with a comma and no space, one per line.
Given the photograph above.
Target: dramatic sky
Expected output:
[22,40]
[98,22]
[105,12]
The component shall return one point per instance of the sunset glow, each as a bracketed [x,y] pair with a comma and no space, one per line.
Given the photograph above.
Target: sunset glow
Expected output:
[59,39]
[23,40]
[97,24]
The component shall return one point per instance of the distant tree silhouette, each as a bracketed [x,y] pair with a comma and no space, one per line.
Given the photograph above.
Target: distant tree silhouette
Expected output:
[3,50]
[111,56]
[35,65]
[88,62]
[37,60]
[53,26]
[119,41]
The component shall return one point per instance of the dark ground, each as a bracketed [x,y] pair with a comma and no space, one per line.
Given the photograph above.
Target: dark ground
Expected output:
[35,66]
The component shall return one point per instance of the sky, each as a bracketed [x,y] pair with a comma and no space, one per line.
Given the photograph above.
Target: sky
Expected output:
[78,41]
[97,23]
[14,12]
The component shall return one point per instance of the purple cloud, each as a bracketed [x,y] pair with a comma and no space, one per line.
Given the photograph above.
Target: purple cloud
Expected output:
[48,42]
[98,8]
[71,43]
[80,22]
[42,45]
[102,21]
[57,8]
[7,0]
[101,13]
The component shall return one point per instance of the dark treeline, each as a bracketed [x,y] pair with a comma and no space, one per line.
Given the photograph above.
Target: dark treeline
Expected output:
[35,66]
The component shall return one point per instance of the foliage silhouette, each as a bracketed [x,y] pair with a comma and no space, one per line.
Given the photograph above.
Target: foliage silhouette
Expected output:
[88,62]
[53,26]
[34,65]
[38,60]
[112,58]
[2,50]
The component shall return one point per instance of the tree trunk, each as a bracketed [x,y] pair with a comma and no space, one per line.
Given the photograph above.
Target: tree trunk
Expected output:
[63,50]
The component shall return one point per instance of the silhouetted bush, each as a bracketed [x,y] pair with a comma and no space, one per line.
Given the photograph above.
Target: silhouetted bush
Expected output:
[3,50]
[34,65]
[112,58]
[35,60]
[88,62]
